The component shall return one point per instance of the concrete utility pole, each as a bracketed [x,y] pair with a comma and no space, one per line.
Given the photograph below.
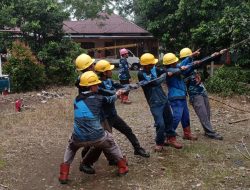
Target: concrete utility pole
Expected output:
[212,69]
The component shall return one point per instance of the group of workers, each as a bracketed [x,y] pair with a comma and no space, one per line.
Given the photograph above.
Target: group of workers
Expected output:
[95,114]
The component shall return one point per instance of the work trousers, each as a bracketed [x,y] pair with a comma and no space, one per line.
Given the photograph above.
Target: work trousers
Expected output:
[106,144]
[90,156]
[125,82]
[119,124]
[163,119]
[202,109]
[180,113]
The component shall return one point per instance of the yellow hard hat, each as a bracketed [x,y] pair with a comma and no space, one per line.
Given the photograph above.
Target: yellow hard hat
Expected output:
[185,52]
[103,65]
[83,61]
[169,59]
[89,78]
[147,59]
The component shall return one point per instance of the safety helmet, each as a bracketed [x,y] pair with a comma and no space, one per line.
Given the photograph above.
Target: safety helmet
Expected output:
[185,52]
[89,78]
[83,61]
[103,65]
[169,59]
[147,59]
[123,51]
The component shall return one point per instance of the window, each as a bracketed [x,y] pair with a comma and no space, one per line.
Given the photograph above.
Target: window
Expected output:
[87,45]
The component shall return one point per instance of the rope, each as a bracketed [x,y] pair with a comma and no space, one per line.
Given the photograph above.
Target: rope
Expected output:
[237,44]
[228,105]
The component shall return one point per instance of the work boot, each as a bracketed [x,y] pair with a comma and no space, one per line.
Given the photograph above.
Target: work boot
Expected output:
[215,136]
[188,135]
[64,173]
[171,141]
[122,98]
[122,167]
[158,148]
[141,152]
[86,168]
[126,100]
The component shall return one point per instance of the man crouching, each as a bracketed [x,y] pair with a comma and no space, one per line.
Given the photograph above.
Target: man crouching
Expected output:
[87,131]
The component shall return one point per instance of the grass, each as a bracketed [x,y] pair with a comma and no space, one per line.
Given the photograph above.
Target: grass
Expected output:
[2,162]
[203,165]
[40,136]
[133,75]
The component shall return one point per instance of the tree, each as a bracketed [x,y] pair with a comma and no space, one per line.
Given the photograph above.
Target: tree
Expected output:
[26,72]
[82,9]
[39,21]
[58,59]
[194,23]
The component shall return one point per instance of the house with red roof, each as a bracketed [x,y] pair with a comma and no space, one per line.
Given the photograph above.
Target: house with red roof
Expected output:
[105,35]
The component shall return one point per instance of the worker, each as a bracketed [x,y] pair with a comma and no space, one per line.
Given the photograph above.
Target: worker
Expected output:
[158,102]
[104,69]
[177,95]
[198,95]
[124,75]
[87,131]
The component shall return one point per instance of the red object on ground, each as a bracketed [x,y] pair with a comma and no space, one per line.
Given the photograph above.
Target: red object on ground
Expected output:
[5,92]
[18,105]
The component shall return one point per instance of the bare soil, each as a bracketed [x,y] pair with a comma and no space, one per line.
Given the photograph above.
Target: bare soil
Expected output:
[33,143]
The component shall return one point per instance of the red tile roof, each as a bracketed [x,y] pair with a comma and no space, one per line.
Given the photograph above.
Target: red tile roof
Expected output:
[112,24]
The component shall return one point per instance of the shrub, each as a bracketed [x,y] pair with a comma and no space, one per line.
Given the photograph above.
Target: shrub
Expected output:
[58,59]
[25,72]
[228,81]
[133,75]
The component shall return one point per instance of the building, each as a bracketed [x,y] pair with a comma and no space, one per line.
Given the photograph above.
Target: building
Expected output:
[111,31]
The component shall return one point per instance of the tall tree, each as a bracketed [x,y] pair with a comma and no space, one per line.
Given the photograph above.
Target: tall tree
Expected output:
[39,21]
[82,9]
[194,23]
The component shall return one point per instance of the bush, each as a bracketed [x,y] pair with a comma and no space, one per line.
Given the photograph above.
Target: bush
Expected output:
[58,59]
[228,81]
[25,72]
[133,75]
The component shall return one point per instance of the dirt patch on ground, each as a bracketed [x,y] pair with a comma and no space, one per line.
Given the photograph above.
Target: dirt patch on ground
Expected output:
[33,143]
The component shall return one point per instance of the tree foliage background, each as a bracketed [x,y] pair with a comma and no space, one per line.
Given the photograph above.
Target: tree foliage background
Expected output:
[41,25]
[39,21]
[26,72]
[207,24]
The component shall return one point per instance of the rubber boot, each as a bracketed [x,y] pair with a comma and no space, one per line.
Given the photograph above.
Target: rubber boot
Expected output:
[126,100]
[114,162]
[188,135]
[171,141]
[64,173]
[122,167]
